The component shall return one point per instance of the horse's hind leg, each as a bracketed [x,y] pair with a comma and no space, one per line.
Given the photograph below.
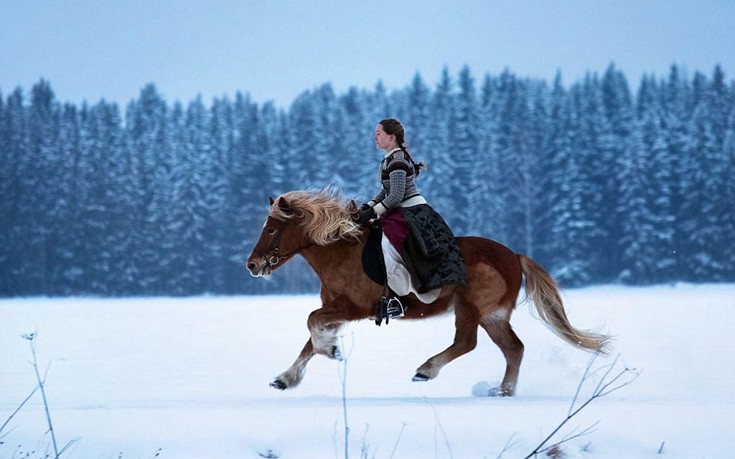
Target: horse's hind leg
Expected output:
[465,340]
[503,335]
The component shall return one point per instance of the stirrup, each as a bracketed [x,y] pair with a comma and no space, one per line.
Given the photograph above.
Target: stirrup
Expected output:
[389,308]
[395,309]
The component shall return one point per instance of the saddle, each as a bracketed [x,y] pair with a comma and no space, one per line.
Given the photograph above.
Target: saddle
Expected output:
[372,256]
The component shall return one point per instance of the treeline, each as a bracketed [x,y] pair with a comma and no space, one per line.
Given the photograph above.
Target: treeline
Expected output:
[596,183]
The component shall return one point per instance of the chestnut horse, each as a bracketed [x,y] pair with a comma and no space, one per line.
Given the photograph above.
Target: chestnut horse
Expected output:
[319,226]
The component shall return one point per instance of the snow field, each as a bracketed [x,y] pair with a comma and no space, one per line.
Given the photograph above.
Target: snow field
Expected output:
[190,376]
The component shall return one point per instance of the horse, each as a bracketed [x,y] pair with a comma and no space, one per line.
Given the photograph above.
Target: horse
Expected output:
[319,226]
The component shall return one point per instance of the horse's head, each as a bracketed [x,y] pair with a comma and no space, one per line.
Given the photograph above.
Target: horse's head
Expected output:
[280,239]
[299,220]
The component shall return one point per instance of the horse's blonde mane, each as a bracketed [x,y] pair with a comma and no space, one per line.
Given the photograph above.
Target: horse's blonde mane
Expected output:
[325,215]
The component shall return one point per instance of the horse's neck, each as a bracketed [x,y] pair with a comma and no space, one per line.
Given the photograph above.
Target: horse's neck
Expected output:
[336,258]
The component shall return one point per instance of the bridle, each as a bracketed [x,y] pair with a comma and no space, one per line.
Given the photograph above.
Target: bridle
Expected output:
[272,255]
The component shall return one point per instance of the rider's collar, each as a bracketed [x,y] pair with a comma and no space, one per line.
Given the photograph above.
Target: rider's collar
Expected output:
[392,151]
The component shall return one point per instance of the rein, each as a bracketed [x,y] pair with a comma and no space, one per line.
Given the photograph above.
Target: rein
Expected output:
[271,253]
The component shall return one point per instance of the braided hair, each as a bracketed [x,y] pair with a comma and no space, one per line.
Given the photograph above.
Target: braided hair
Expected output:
[392,126]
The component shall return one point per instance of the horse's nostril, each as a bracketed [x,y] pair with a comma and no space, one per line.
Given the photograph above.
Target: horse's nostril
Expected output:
[251,266]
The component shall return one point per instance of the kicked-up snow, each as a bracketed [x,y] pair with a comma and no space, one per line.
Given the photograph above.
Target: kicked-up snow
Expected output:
[188,378]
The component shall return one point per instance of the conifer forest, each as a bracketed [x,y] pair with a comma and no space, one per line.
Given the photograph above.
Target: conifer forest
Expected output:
[599,180]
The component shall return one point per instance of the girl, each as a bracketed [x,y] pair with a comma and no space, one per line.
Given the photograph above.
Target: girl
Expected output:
[420,251]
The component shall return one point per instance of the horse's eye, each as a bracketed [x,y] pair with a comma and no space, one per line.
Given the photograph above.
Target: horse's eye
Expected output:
[271,231]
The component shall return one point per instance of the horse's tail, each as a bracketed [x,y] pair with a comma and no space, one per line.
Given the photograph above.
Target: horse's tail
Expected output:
[543,291]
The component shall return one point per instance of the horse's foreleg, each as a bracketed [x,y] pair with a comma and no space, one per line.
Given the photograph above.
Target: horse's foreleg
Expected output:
[503,335]
[293,376]
[324,325]
[465,340]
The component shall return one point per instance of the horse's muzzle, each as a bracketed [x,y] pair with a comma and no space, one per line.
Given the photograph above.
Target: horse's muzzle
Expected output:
[259,269]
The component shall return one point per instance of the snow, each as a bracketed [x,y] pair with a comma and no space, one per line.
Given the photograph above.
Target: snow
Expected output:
[189,376]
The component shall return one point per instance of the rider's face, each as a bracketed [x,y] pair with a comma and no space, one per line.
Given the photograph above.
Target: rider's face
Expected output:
[383,140]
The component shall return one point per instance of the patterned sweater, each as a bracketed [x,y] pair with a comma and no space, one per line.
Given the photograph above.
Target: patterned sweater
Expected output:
[398,180]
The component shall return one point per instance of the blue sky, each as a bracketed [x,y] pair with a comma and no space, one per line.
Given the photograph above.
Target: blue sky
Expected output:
[274,50]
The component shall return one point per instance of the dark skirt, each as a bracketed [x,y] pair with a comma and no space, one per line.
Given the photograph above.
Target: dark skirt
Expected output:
[427,246]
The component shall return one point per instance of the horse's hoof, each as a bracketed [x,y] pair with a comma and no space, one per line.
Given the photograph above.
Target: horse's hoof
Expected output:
[419,377]
[337,353]
[278,384]
[499,392]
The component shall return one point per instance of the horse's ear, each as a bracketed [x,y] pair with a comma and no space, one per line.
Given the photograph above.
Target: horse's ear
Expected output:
[283,205]
[352,206]
[271,200]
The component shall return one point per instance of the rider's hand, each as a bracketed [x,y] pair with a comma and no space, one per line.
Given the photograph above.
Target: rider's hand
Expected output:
[365,215]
